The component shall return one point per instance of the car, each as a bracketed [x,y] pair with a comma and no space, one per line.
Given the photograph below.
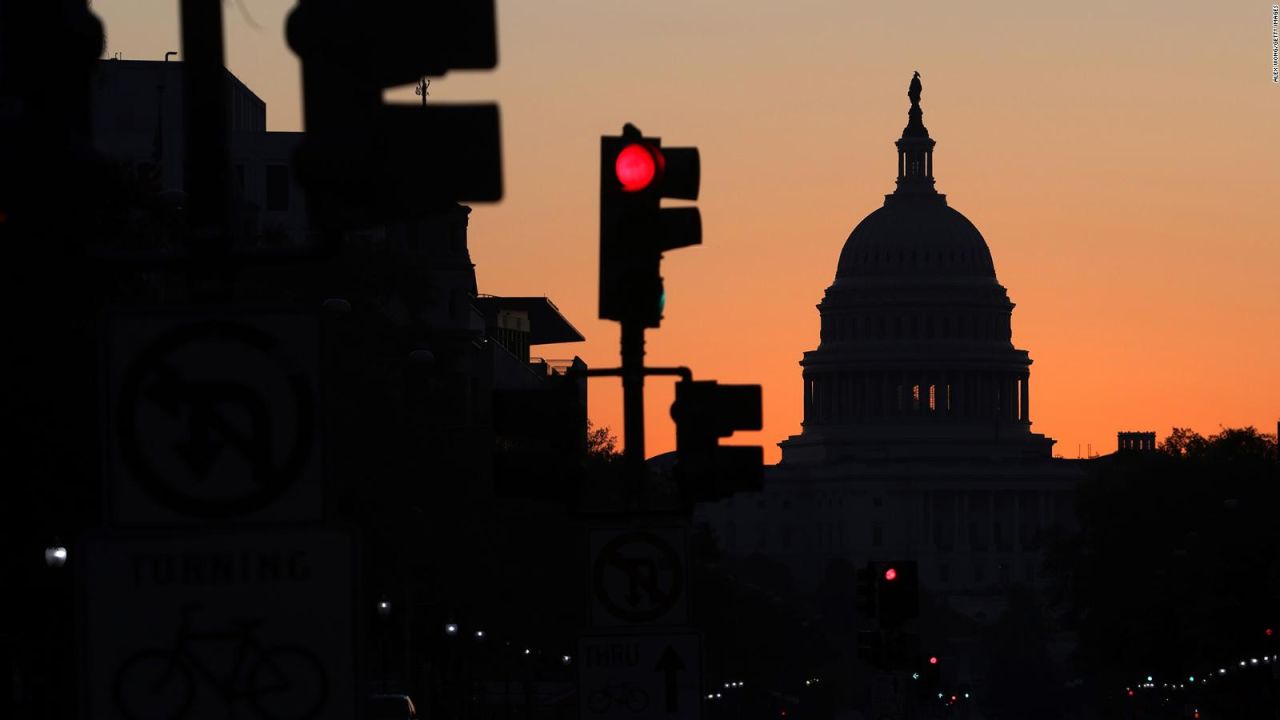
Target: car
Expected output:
[391,707]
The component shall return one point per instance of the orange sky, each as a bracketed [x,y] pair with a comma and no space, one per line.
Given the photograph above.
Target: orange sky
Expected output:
[1121,160]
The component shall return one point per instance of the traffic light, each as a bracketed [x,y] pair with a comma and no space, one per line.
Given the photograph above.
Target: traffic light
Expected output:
[896,590]
[636,172]
[706,411]
[931,672]
[364,162]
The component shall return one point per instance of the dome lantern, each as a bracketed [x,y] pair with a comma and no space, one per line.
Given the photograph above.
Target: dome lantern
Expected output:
[915,149]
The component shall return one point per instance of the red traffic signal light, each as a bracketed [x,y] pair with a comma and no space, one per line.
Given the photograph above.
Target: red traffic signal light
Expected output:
[636,167]
[933,660]
[1268,631]
[890,574]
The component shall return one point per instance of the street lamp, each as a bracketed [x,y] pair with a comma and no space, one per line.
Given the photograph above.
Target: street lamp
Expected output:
[384,607]
[479,635]
[55,556]
[451,629]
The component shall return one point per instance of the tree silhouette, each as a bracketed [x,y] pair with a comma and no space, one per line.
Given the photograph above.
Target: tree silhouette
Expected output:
[1175,569]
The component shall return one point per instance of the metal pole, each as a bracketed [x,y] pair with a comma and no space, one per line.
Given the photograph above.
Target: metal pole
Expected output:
[205,90]
[633,411]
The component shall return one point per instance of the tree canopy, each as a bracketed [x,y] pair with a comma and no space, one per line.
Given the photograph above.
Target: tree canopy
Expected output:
[1175,569]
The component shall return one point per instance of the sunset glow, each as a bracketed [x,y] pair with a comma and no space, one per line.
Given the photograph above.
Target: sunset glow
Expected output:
[1118,158]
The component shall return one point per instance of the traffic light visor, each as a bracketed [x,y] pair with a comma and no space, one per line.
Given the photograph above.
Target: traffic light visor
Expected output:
[637,166]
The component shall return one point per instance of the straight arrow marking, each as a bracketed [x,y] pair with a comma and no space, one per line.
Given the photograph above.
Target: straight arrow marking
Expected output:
[670,664]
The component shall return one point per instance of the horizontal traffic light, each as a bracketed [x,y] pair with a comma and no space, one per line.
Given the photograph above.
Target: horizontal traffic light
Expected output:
[706,411]
[364,162]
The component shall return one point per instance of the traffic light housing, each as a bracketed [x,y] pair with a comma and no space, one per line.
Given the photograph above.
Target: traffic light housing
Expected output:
[706,411]
[636,172]
[897,591]
[931,672]
[364,162]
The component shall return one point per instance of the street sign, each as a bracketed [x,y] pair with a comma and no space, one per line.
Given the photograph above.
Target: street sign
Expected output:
[211,416]
[640,677]
[638,576]
[208,624]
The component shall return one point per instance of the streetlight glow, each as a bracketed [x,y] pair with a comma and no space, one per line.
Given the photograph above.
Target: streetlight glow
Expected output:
[55,556]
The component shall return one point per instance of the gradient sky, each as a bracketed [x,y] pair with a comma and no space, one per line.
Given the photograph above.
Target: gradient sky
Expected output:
[1121,160]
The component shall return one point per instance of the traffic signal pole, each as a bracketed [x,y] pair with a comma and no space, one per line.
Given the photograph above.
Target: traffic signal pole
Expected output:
[207,148]
[636,174]
[633,412]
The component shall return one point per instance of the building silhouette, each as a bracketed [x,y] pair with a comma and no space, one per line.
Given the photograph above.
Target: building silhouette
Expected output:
[139,125]
[917,440]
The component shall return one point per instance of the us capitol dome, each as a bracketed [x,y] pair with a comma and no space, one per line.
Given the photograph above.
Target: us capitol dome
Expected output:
[915,357]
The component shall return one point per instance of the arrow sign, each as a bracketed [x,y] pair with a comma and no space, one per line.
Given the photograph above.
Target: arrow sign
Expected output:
[670,664]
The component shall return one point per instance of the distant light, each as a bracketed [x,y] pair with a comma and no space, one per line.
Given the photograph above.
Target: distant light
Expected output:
[635,167]
[384,607]
[527,651]
[891,574]
[966,695]
[1268,631]
[55,556]
[1150,679]
[451,629]
[565,659]
[479,634]
[933,660]
[1130,692]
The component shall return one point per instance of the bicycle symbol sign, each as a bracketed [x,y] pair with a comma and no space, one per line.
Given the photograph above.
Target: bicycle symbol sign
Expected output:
[282,682]
[638,577]
[209,623]
[213,417]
